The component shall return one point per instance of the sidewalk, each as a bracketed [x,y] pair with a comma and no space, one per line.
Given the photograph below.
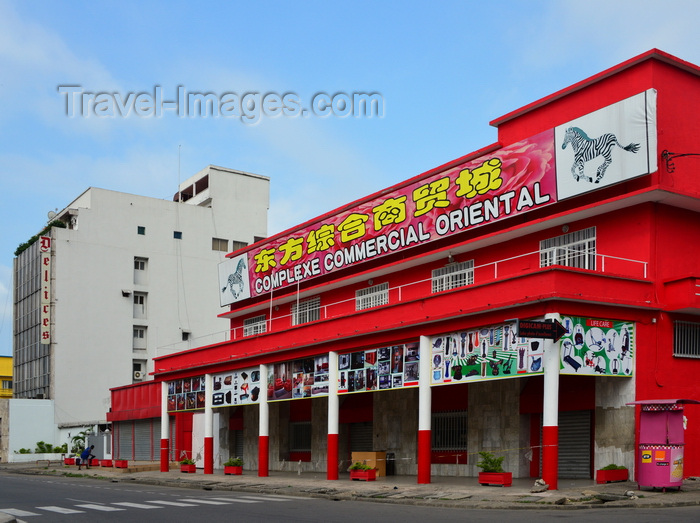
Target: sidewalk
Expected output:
[443,491]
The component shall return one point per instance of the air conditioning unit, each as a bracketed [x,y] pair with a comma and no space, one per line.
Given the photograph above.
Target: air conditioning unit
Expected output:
[138,375]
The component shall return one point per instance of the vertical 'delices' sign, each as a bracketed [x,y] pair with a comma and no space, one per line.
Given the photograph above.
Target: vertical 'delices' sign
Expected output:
[45,303]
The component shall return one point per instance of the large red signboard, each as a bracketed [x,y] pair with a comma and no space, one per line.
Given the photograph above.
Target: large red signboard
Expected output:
[514,179]
[599,149]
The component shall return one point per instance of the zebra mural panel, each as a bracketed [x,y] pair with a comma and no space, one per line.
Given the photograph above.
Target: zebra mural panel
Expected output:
[615,143]
[233,280]
[587,149]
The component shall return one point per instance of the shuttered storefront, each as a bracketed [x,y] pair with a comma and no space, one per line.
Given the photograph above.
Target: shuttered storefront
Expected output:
[361,437]
[575,444]
[138,440]
[123,440]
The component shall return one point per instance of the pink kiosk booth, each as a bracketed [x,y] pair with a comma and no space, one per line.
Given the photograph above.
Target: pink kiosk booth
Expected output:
[661,442]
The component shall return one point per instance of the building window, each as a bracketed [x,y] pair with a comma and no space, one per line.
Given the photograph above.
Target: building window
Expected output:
[449,431]
[576,249]
[7,384]
[300,436]
[255,325]
[140,304]
[219,244]
[139,337]
[140,266]
[686,339]
[141,230]
[453,275]
[177,235]
[235,245]
[306,311]
[373,296]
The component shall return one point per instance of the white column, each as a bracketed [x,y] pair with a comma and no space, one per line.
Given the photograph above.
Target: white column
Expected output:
[208,407]
[165,443]
[550,410]
[424,396]
[264,421]
[424,411]
[333,399]
[164,417]
[264,428]
[333,418]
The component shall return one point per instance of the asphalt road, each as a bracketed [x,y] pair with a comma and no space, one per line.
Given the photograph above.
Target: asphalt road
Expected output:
[48,499]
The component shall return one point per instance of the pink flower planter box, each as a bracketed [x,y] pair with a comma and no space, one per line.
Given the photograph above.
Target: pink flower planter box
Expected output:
[188,469]
[121,463]
[233,470]
[106,463]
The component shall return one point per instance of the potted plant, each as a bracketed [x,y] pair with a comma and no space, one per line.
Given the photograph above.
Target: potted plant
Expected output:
[361,472]
[611,473]
[187,466]
[492,471]
[233,466]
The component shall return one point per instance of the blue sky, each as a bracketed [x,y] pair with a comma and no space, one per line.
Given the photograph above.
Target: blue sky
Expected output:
[443,69]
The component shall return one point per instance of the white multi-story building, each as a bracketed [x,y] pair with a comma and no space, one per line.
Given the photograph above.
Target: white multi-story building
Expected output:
[128,278]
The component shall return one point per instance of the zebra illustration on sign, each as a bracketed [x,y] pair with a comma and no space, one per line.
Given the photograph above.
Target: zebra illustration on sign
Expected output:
[236,280]
[586,149]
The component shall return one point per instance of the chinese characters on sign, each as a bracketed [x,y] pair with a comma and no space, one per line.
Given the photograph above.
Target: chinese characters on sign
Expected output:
[514,179]
[511,180]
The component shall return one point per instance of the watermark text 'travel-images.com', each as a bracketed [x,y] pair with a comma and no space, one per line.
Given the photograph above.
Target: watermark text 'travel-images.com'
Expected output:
[249,108]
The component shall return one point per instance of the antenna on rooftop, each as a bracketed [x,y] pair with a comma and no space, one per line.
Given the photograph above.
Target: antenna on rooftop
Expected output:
[179,193]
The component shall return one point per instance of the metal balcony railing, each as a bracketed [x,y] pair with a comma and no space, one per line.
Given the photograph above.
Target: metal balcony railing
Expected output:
[527,263]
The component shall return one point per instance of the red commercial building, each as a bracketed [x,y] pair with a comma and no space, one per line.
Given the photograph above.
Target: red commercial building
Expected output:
[397,325]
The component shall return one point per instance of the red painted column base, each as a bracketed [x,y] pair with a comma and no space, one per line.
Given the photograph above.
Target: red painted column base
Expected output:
[263,459]
[164,455]
[550,456]
[209,455]
[332,460]
[424,451]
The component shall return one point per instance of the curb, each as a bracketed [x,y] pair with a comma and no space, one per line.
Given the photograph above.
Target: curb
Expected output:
[443,496]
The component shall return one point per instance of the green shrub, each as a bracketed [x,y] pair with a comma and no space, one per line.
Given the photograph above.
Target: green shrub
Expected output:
[612,466]
[490,463]
[359,466]
[25,245]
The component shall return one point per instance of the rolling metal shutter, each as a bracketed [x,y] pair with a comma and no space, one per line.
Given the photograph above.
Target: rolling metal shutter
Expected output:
[142,440]
[575,444]
[124,444]
[361,437]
